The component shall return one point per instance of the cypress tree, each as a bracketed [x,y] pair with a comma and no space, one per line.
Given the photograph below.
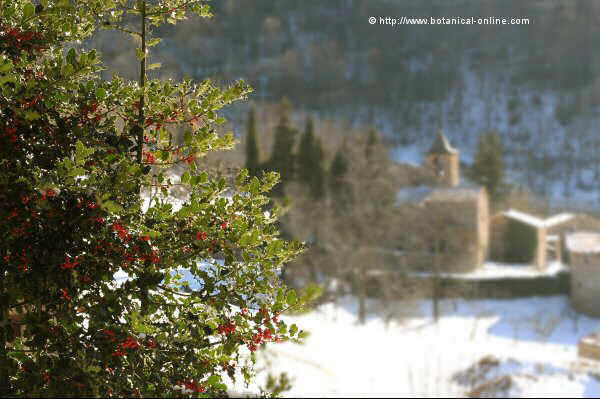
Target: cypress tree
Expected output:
[310,162]
[252,156]
[488,168]
[372,141]
[337,173]
[305,153]
[282,157]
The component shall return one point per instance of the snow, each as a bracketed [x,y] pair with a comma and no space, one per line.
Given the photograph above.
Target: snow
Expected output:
[494,270]
[536,221]
[584,242]
[559,219]
[534,340]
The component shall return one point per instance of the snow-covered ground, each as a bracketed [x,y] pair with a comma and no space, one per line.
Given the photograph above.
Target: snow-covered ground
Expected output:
[534,341]
[493,270]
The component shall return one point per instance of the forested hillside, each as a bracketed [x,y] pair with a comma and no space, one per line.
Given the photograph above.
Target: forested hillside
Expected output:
[536,84]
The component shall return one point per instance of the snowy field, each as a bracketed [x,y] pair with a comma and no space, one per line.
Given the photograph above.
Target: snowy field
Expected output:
[533,341]
[494,271]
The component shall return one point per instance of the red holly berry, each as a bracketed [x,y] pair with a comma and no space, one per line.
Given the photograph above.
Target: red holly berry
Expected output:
[65,294]
[149,157]
[200,235]
[49,193]
[130,343]
[118,352]
[69,264]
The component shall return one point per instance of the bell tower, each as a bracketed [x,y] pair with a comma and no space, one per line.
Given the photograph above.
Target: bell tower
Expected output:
[443,160]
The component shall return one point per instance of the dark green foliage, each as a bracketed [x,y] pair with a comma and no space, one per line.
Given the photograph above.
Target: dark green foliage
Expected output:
[372,141]
[282,156]
[79,208]
[521,242]
[310,162]
[338,186]
[252,154]
[488,168]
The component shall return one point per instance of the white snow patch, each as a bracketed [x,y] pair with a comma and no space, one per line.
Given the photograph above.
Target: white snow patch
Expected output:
[494,270]
[584,242]
[415,357]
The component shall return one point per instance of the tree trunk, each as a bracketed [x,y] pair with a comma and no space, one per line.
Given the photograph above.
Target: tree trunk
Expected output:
[362,298]
[435,294]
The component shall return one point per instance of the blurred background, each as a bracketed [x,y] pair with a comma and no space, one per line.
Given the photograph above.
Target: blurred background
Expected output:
[427,286]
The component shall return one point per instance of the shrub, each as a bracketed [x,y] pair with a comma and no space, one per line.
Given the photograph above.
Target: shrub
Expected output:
[84,197]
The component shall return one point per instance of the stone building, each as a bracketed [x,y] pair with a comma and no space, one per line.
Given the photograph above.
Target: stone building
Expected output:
[584,255]
[444,161]
[542,246]
[465,206]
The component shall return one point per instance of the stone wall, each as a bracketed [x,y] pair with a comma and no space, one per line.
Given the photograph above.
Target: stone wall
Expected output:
[483,227]
[446,167]
[589,347]
[585,283]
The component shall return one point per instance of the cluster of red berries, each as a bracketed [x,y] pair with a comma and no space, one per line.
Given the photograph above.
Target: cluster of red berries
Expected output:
[227,328]
[192,386]
[149,157]
[121,232]
[262,335]
[48,193]
[64,293]
[70,264]
[23,40]
[128,343]
[86,110]
[200,235]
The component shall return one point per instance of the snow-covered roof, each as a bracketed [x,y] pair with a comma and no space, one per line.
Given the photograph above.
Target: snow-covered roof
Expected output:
[584,242]
[536,221]
[441,145]
[460,193]
[419,194]
[559,219]
[413,194]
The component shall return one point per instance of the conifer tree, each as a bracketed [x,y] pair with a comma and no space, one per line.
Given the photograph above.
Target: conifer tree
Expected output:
[318,177]
[282,156]
[372,141]
[488,168]
[310,161]
[337,175]
[252,154]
